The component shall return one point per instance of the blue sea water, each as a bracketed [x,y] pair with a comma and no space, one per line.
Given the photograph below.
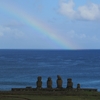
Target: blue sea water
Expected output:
[20,68]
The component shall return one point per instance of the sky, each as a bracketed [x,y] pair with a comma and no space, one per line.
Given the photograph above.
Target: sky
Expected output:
[50,24]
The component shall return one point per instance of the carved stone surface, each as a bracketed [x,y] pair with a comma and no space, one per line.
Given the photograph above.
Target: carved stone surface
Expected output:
[69,83]
[78,86]
[49,82]
[39,82]
[59,82]
[53,90]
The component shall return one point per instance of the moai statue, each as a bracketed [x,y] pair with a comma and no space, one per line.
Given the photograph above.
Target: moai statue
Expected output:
[39,82]
[49,82]
[69,83]
[59,82]
[78,86]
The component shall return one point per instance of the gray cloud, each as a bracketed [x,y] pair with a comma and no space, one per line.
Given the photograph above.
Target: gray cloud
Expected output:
[89,11]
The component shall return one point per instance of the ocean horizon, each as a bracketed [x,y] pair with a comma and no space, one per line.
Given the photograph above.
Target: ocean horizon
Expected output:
[20,68]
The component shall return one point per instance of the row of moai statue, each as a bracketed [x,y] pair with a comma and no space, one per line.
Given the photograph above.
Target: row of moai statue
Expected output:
[58,81]
[39,82]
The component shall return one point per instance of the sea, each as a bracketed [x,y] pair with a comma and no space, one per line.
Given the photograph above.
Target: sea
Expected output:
[20,68]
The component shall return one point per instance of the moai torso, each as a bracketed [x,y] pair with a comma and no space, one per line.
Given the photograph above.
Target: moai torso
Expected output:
[69,83]
[59,82]
[49,83]
[39,82]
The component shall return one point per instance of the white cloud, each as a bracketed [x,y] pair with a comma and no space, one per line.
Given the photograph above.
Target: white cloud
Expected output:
[10,32]
[3,30]
[67,8]
[75,35]
[89,11]
[83,37]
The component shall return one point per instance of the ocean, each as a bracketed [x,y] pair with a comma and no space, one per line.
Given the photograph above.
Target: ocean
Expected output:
[20,68]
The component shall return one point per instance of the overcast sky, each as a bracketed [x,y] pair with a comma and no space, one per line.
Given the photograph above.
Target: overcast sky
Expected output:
[49,24]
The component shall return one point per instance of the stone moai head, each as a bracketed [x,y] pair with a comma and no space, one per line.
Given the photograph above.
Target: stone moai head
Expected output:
[69,83]
[39,78]
[69,80]
[49,82]
[39,82]
[49,78]
[78,86]
[59,78]
[59,82]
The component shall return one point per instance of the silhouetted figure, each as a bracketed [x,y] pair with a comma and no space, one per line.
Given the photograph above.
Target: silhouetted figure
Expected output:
[49,82]
[39,82]
[59,82]
[78,86]
[69,83]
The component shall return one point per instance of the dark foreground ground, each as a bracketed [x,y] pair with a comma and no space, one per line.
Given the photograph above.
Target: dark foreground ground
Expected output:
[47,95]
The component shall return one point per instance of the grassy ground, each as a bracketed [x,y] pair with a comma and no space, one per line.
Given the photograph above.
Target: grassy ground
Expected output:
[75,96]
[23,97]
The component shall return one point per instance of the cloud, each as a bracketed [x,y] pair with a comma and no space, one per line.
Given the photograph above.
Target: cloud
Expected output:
[3,30]
[83,37]
[89,11]
[6,31]
[78,36]
[67,8]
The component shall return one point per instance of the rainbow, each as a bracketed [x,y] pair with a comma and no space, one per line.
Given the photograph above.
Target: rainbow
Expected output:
[38,25]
